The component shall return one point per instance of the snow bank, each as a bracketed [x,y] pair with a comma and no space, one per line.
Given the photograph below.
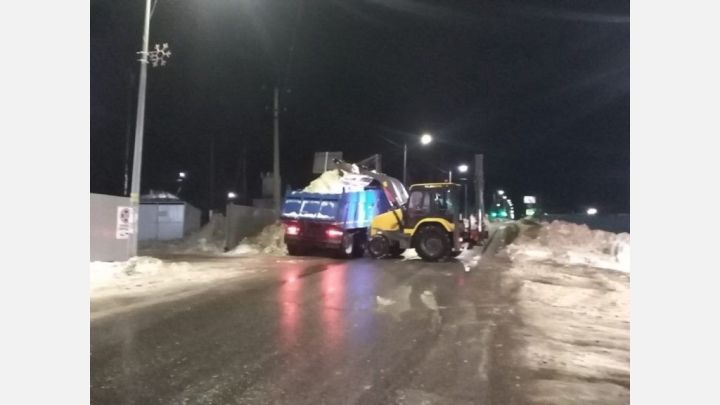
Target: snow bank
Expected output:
[144,275]
[269,241]
[569,244]
[209,239]
[131,272]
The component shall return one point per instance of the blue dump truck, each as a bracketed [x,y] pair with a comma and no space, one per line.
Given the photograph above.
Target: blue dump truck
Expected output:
[338,222]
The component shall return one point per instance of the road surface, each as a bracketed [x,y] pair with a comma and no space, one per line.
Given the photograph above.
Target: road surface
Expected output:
[316,331]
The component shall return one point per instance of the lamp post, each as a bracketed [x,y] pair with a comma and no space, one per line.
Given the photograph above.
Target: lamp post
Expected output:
[158,56]
[425,139]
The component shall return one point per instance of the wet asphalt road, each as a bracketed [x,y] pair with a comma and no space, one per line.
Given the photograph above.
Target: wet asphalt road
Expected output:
[316,331]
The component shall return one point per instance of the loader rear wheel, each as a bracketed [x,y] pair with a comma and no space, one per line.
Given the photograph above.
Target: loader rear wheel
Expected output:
[432,243]
[379,246]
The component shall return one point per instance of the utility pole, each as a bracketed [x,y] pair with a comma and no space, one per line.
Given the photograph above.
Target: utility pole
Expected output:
[211,195]
[405,164]
[243,173]
[276,150]
[128,134]
[139,131]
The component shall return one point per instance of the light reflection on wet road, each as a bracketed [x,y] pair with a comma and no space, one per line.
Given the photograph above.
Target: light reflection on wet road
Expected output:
[309,331]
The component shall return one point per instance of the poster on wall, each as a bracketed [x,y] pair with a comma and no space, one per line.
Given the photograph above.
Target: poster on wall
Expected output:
[123,227]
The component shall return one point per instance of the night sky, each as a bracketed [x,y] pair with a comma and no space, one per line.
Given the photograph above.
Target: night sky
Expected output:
[541,88]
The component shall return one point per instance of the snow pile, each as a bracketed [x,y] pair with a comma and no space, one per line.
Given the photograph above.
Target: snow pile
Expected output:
[570,244]
[131,272]
[161,278]
[269,241]
[209,239]
[338,181]
[329,182]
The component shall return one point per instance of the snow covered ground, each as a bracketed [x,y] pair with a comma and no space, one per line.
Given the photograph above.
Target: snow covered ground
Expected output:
[574,308]
[145,275]
[207,263]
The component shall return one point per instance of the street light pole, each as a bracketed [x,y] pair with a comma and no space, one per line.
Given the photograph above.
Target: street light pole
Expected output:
[139,132]
[276,151]
[405,163]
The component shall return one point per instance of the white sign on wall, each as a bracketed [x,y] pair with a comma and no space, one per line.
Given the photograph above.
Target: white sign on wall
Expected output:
[124,222]
[529,199]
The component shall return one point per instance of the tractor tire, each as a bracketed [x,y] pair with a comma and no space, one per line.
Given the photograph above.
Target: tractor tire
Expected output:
[378,247]
[295,249]
[432,243]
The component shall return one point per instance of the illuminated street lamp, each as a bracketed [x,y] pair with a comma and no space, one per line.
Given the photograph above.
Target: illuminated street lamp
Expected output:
[463,168]
[425,139]
[592,211]
[182,175]
[231,195]
[500,192]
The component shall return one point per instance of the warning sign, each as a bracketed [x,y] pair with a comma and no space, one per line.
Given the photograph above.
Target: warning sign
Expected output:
[124,221]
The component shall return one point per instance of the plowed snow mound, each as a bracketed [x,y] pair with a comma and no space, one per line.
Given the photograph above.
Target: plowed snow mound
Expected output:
[269,241]
[209,239]
[568,243]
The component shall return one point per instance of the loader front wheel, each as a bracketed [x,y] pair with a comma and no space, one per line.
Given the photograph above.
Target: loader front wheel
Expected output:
[432,243]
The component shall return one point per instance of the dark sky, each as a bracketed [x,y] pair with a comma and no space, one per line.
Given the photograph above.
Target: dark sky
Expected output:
[541,88]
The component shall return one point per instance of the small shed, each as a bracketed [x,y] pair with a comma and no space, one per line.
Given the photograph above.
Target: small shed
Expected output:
[164,216]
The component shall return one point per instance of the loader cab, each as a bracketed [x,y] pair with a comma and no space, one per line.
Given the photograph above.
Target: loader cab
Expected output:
[432,200]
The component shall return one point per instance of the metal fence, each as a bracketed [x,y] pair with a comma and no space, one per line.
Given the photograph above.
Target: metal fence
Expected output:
[104,242]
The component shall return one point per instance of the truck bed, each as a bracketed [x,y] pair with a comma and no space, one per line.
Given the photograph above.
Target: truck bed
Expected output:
[350,210]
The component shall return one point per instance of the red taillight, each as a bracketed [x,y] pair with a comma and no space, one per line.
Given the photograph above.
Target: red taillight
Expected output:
[334,233]
[292,230]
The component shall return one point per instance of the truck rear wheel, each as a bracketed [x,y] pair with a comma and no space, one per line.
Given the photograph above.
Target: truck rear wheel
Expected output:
[432,243]
[347,246]
[295,250]
[359,243]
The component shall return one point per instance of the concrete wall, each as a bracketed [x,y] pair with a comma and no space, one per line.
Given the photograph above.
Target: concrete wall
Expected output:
[245,221]
[103,216]
[193,217]
[612,222]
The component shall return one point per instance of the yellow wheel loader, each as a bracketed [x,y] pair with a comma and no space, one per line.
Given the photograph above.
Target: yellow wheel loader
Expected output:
[429,222]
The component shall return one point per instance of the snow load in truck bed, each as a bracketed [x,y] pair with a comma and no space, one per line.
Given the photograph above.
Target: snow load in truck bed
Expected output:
[332,182]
